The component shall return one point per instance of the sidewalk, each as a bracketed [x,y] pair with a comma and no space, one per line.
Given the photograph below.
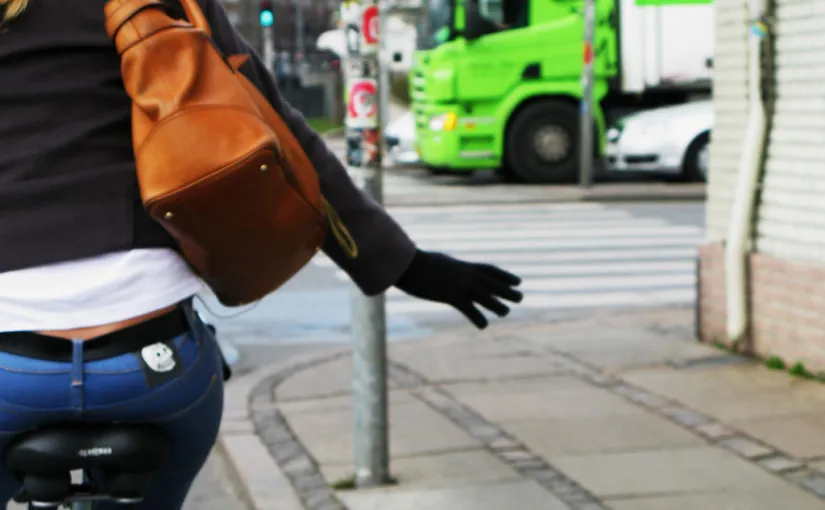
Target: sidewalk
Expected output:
[621,412]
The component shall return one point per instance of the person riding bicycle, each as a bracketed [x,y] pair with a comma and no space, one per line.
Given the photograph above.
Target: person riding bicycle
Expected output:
[96,316]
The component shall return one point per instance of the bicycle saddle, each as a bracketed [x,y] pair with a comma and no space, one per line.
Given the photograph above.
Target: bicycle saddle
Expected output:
[128,454]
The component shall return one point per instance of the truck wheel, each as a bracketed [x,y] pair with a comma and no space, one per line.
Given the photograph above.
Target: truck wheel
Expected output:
[542,143]
[697,159]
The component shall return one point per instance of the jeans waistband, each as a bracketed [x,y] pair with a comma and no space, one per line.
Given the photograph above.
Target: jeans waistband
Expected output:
[131,339]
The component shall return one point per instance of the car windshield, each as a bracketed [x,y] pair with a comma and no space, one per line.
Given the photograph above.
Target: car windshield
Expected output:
[436,25]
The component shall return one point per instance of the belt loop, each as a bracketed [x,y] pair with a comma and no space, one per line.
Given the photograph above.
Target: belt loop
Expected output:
[78,375]
[196,327]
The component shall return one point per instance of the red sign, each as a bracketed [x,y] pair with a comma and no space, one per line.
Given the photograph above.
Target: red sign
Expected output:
[588,53]
[369,25]
[362,107]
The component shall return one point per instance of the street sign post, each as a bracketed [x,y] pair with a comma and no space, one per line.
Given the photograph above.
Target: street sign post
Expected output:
[586,119]
[369,329]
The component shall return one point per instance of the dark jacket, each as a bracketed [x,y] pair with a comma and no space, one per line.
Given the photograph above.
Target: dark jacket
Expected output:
[67,180]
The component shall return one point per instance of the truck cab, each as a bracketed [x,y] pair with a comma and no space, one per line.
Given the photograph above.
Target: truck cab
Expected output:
[496,84]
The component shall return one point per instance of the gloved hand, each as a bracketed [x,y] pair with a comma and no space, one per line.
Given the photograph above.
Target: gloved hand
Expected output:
[441,278]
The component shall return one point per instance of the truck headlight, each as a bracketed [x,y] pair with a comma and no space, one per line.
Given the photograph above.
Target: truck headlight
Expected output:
[443,122]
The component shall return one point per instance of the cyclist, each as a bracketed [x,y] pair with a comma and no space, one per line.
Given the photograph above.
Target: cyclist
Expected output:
[96,318]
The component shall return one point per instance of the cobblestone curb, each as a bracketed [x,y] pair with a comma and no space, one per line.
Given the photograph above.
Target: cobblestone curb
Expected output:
[296,462]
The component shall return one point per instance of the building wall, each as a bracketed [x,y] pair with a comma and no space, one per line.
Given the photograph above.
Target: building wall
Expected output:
[791,220]
[787,267]
[730,102]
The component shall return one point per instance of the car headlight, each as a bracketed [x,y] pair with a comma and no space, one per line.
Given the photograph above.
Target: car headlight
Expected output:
[613,134]
[443,122]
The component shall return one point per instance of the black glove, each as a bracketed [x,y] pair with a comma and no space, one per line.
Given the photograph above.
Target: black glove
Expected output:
[441,278]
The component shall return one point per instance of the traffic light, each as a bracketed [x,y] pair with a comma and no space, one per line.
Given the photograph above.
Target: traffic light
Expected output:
[266,17]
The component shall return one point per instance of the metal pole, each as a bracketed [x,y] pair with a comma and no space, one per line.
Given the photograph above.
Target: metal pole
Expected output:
[586,122]
[369,327]
[269,49]
[299,26]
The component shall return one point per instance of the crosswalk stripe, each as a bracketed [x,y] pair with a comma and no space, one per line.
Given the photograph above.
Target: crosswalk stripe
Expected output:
[447,225]
[529,271]
[550,232]
[568,255]
[475,246]
[445,210]
[547,257]
[513,217]
[567,301]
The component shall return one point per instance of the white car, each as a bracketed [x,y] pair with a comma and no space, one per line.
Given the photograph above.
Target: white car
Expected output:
[400,138]
[673,140]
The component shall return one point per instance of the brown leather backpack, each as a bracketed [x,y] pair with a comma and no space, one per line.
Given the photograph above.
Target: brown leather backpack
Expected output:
[216,164]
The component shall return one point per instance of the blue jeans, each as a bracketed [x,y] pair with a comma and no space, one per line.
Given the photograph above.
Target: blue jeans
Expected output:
[189,407]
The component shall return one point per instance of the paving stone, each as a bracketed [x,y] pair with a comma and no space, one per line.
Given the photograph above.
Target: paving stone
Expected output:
[527,464]
[288,450]
[814,482]
[580,435]
[277,436]
[237,427]
[714,431]
[516,455]
[780,464]
[505,443]
[589,506]
[315,498]
[438,400]
[685,416]
[819,466]
[652,473]
[330,505]
[799,435]
[788,497]
[311,481]
[649,400]
[543,475]
[484,431]
[602,380]
[745,447]
[300,465]
[623,390]
[524,494]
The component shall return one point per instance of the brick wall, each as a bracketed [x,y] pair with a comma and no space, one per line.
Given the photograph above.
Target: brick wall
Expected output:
[787,302]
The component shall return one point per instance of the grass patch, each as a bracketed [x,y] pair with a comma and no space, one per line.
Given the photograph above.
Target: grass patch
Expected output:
[345,484]
[323,125]
[775,363]
[799,370]
[349,484]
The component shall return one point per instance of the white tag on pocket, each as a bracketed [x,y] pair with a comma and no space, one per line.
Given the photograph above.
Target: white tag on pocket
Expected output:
[159,357]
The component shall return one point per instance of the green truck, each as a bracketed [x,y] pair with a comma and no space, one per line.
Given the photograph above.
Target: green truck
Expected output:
[497,84]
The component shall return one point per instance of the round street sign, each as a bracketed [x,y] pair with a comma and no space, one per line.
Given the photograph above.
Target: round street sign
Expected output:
[369,29]
[362,107]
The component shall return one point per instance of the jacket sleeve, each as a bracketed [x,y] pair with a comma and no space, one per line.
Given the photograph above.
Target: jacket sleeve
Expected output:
[385,250]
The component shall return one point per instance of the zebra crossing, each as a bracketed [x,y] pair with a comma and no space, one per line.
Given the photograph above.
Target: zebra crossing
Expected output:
[581,255]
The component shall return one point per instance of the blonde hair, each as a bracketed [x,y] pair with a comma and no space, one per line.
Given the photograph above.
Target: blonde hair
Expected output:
[11,9]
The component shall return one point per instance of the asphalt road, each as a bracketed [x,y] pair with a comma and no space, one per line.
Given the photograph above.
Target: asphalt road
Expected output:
[573,258]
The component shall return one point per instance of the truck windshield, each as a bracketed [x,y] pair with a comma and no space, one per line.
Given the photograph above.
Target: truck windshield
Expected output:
[436,27]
